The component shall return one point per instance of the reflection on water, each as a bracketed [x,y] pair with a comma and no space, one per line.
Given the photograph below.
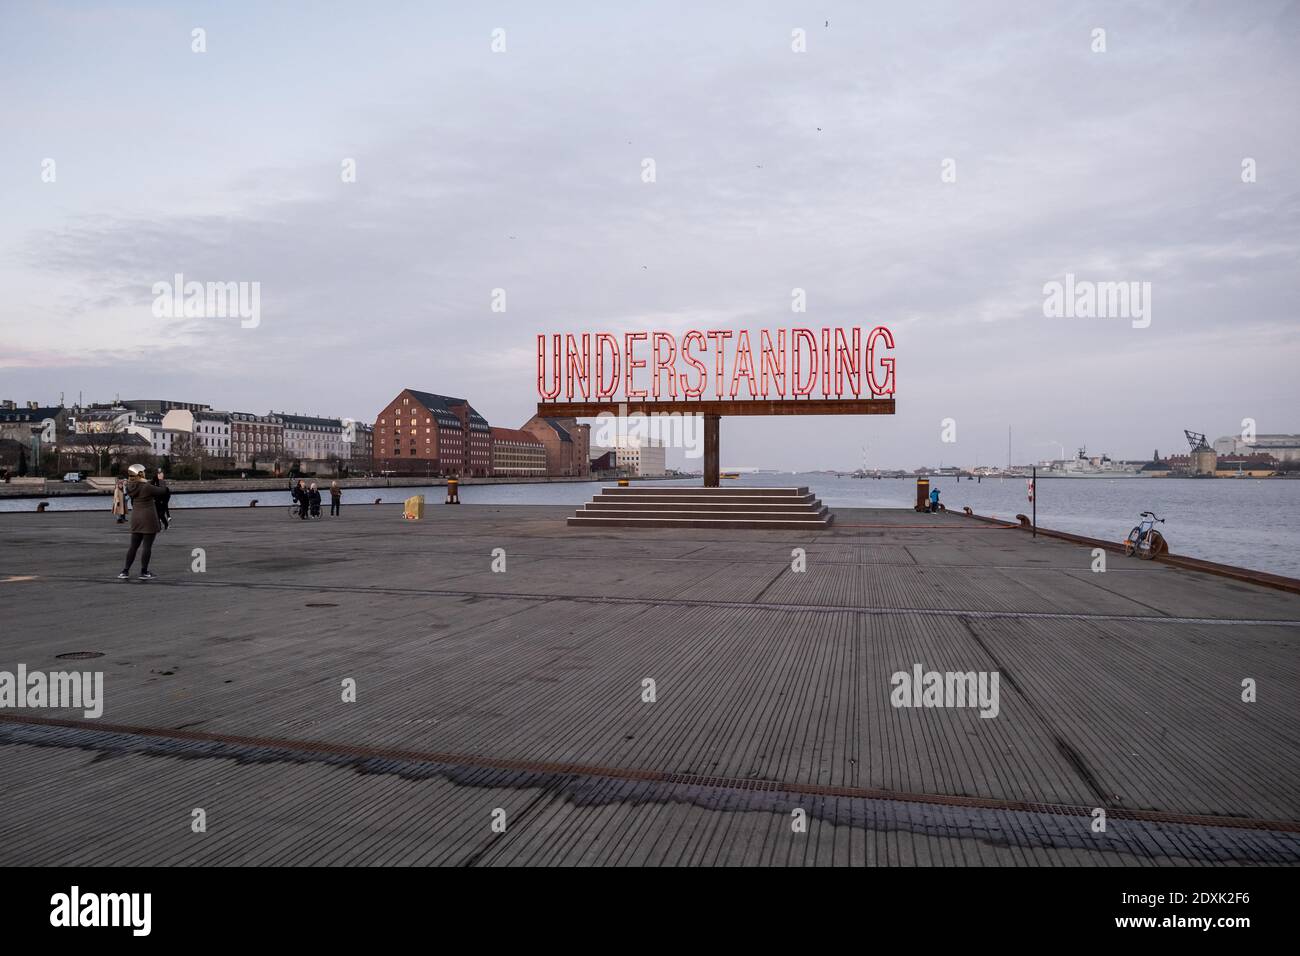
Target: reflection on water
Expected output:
[1254,523]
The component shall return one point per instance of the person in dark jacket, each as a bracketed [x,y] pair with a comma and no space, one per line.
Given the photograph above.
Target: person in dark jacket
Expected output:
[300,496]
[163,502]
[314,497]
[144,520]
[336,497]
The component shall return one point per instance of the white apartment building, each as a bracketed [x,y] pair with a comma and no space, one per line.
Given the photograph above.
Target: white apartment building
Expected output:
[209,427]
[642,459]
[308,438]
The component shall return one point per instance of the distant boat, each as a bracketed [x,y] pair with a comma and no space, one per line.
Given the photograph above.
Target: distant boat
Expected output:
[729,474]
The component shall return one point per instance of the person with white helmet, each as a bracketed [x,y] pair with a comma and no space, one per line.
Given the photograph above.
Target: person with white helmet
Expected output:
[144,519]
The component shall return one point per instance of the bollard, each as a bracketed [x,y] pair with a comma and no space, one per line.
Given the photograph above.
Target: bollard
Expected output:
[42,506]
[453,492]
[923,494]
[253,503]
[377,500]
[623,483]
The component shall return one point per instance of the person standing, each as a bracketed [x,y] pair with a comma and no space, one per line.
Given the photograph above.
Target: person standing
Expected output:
[144,520]
[934,501]
[336,496]
[119,500]
[162,503]
[300,496]
[314,496]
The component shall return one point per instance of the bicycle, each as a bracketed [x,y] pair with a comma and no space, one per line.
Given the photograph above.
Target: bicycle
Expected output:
[1144,540]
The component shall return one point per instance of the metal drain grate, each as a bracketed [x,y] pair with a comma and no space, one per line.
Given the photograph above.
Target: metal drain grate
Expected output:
[78,655]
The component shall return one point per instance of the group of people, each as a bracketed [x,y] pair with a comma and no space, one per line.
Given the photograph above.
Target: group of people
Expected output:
[162,503]
[308,499]
[150,513]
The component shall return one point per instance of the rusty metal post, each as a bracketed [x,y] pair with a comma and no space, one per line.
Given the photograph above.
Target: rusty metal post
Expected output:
[923,494]
[711,465]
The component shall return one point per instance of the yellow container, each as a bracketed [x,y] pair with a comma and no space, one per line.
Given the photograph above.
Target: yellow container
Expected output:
[414,509]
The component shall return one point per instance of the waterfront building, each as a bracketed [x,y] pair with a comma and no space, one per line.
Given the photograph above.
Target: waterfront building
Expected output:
[100,419]
[162,406]
[517,453]
[210,429]
[640,459]
[358,444]
[1258,465]
[90,451]
[1281,447]
[567,444]
[427,433]
[310,439]
[606,466]
[256,438]
[17,423]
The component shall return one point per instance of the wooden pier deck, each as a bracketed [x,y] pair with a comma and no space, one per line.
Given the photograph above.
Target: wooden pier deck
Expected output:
[522,692]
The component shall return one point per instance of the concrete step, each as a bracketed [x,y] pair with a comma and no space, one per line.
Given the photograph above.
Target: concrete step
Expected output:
[745,500]
[620,504]
[746,523]
[756,514]
[699,490]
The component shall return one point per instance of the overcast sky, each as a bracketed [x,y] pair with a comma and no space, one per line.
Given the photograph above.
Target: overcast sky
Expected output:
[775,169]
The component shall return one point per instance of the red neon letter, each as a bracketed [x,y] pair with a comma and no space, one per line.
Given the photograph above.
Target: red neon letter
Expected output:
[698,390]
[665,364]
[718,338]
[887,387]
[744,366]
[773,360]
[797,336]
[826,362]
[603,339]
[850,359]
[631,364]
[575,369]
[548,394]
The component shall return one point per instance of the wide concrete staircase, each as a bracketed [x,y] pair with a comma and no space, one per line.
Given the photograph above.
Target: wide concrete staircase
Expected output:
[660,506]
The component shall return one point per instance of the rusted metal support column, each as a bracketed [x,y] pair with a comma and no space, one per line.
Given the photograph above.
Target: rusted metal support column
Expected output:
[711,467]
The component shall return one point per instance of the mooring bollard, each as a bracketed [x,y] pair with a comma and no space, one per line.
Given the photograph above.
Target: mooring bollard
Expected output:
[42,506]
[623,483]
[253,503]
[377,500]
[923,494]
[453,492]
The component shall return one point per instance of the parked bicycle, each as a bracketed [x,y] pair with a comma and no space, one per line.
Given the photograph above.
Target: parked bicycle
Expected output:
[1144,540]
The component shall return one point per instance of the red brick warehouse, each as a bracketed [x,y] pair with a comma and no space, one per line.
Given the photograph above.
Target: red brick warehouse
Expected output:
[422,433]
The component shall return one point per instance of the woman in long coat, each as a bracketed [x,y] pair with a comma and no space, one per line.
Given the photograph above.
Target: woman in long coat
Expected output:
[119,501]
